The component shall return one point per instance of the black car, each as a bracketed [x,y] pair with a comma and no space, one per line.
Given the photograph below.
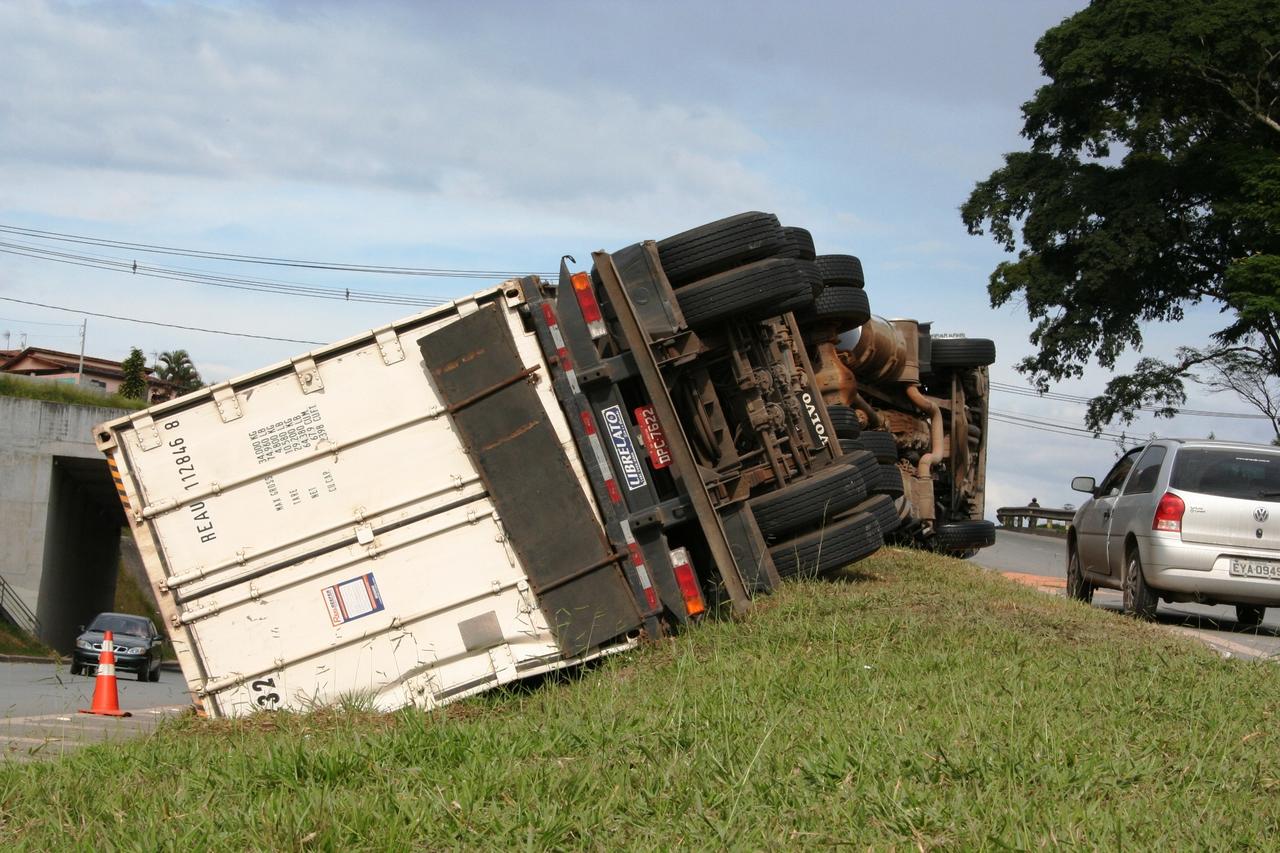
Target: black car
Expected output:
[134,639]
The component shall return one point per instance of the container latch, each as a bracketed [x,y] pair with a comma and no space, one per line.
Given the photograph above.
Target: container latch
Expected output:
[389,345]
[224,397]
[308,374]
[148,436]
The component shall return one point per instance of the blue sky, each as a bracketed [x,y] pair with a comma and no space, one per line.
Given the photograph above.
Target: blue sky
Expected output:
[503,135]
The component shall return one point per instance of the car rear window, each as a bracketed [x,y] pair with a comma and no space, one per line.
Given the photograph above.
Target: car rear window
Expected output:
[1248,474]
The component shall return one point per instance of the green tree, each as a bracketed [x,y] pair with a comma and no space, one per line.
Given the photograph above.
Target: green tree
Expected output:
[1152,184]
[176,367]
[135,376]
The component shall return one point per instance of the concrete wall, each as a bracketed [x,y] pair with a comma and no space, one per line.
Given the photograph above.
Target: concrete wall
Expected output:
[56,515]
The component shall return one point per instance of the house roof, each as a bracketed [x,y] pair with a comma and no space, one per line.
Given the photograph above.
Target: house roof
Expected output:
[57,361]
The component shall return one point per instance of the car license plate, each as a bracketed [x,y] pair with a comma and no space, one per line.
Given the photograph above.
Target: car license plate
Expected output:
[1255,568]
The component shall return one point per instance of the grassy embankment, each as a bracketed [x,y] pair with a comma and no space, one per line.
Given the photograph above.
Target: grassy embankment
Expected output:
[57,392]
[917,703]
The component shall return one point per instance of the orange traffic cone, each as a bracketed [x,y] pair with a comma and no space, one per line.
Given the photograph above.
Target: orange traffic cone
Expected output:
[105,701]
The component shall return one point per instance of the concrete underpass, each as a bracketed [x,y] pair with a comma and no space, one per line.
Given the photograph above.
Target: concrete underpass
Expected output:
[60,517]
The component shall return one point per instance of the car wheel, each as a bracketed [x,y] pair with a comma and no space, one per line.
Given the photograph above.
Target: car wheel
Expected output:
[880,443]
[721,245]
[845,421]
[799,244]
[1140,600]
[1250,615]
[808,502]
[75,669]
[963,537]
[962,352]
[840,270]
[145,671]
[1077,587]
[833,547]
[847,306]
[888,481]
[763,289]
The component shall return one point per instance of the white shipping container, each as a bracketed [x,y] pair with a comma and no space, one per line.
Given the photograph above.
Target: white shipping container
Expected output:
[323,528]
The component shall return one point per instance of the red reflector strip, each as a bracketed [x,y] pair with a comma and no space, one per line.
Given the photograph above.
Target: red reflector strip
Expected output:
[614,494]
[590,308]
[562,352]
[637,560]
[587,423]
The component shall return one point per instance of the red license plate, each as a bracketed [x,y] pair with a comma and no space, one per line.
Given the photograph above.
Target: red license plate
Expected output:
[655,441]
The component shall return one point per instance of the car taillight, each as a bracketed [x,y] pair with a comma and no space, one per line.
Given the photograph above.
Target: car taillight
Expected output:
[1169,513]
[688,581]
[590,308]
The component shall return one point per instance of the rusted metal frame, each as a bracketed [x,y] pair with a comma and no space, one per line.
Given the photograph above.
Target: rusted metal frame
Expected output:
[686,467]
[802,355]
[492,389]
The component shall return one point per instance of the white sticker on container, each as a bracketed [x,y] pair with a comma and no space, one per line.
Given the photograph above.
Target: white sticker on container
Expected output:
[352,599]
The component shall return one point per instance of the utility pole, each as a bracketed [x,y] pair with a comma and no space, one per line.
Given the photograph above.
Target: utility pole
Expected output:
[84,327]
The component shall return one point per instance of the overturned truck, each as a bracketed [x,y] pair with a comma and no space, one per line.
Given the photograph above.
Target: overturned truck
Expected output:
[536,475]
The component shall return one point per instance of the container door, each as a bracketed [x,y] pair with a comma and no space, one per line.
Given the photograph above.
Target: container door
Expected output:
[543,507]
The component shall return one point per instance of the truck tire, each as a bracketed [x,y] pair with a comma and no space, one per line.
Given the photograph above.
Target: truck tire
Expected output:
[799,244]
[880,443]
[883,510]
[888,481]
[965,536]
[840,270]
[834,547]
[847,305]
[721,245]
[962,352]
[845,421]
[862,461]
[751,292]
[808,502]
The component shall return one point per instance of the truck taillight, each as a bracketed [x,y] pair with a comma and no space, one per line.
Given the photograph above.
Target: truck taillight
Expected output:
[1169,514]
[586,296]
[688,581]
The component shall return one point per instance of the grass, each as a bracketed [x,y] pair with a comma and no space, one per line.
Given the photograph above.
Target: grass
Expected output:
[919,703]
[15,641]
[57,392]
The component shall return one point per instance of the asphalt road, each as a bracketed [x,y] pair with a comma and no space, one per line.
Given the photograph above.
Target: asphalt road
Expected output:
[43,688]
[1046,556]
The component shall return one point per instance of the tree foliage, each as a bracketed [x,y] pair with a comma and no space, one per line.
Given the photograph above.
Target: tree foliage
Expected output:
[1152,184]
[177,368]
[135,376]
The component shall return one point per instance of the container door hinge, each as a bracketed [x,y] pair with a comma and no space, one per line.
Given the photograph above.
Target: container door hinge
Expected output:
[389,345]
[224,397]
[504,663]
[148,435]
[308,374]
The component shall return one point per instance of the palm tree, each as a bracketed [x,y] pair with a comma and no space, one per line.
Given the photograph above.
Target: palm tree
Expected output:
[177,368]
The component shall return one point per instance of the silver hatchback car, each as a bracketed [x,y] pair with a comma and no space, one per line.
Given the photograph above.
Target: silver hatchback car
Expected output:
[1182,521]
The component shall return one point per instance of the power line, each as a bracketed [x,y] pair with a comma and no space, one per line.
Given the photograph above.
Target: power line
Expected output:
[38,323]
[1063,432]
[266,260]
[216,280]
[157,323]
[1073,398]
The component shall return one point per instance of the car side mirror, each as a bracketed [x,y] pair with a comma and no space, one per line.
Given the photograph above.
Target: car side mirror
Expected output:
[1084,484]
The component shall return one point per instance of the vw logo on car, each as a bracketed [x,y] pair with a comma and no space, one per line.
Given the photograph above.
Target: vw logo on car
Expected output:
[1260,514]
